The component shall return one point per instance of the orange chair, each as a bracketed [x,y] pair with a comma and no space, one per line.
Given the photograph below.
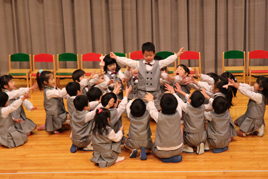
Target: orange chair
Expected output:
[257,70]
[90,57]
[191,55]
[45,58]
[136,55]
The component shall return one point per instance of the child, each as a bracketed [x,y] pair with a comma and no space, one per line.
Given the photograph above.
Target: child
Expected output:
[139,130]
[10,136]
[80,77]
[27,125]
[164,79]
[149,70]
[219,125]
[168,137]
[81,124]
[53,103]
[112,71]
[105,141]
[194,132]
[181,72]
[116,113]
[253,120]
[132,78]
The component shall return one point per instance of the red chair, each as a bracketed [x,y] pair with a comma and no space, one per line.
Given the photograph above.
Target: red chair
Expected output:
[45,58]
[191,55]
[136,55]
[90,57]
[257,70]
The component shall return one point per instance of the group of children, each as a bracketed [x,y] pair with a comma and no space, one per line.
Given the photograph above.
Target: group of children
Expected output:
[185,121]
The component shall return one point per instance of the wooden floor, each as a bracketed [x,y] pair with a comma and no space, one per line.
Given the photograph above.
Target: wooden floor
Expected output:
[48,156]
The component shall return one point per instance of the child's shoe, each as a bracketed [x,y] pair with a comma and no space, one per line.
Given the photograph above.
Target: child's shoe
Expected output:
[188,149]
[206,147]
[220,150]
[73,148]
[133,153]
[175,159]
[143,154]
[42,127]
[200,149]
[120,159]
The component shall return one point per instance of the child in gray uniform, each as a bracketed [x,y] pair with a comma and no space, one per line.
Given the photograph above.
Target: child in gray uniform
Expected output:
[194,131]
[253,120]
[139,130]
[149,70]
[56,114]
[132,77]
[219,136]
[168,137]
[27,125]
[81,124]
[105,141]
[10,136]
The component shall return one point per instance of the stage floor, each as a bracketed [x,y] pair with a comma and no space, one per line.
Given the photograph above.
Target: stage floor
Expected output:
[48,156]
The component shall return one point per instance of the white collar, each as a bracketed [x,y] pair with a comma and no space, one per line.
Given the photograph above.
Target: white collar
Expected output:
[147,62]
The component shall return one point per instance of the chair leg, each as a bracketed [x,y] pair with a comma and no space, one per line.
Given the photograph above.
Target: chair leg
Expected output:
[27,78]
[31,83]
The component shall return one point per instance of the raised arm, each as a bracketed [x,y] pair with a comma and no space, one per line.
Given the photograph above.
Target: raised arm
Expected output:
[125,61]
[170,59]
[56,93]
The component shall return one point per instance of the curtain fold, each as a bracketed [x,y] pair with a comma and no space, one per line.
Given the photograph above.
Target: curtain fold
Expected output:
[82,26]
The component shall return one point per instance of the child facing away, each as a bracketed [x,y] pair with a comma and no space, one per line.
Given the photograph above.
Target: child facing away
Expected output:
[27,125]
[194,134]
[116,110]
[168,143]
[10,136]
[56,114]
[149,70]
[219,136]
[82,124]
[105,141]
[113,72]
[253,119]
[139,134]
[80,77]
[132,77]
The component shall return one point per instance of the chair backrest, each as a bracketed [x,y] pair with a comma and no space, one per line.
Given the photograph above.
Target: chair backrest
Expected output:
[20,57]
[136,55]
[67,57]
[90,57]
[233,54]
[44,57]
[191,55]
[164,54]
[119,54]
[258,54]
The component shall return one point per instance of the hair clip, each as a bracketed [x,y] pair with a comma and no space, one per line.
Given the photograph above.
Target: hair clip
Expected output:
[41,70]
[99,110]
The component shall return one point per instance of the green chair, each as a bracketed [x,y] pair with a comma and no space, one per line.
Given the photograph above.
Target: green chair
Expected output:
[121,55]
[235,70]
[20,73]
[164,55]
[65,72]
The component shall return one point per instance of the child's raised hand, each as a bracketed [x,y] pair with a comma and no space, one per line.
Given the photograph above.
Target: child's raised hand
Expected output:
[149,97]
[190,79]
[170,77]
[110,103]
[34,87]
[112,55]
[117,88]
[26,96]
[180,52]
[178,88]
[196,73]
[122,128]
[18,120]
[128,90]
[169,88]
[33,108]
[111,82]
[203,91]
[124,80]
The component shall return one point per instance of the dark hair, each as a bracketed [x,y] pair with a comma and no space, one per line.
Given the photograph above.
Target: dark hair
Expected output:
[109,61]
[137,108]
[220,105]
[80,102]
[3,99]
[263,83]
[4,80]
[168,103]
[158,57]
[227,92]
[148,46]
[106,98]
[164,69]
[77,74]
[41,78]
[214,76]
[72,88]
[100,121]
[197,99]
[93,94]
[186,69]
[227,75]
